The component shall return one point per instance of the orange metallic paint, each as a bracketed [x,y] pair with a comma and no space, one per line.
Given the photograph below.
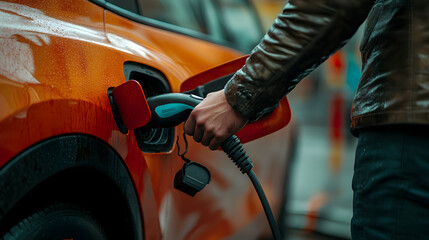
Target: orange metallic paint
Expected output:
[61,56]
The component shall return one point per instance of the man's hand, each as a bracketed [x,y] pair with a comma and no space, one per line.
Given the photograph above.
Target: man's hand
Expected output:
[213,121]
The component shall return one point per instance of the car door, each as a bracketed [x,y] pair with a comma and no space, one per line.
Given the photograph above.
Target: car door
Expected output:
[162,56]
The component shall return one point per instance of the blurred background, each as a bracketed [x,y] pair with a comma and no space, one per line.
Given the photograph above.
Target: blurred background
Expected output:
[319,203]
[320,194]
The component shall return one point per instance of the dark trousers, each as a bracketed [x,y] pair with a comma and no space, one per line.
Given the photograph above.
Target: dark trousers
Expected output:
[391,184]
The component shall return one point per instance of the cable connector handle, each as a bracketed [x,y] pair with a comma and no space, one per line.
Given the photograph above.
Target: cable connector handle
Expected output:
[235,151]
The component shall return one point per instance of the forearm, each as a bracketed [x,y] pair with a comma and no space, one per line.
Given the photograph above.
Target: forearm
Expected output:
[304,35]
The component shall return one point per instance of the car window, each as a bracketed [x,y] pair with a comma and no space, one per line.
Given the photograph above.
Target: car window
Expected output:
[242,24]
[176,12]
[130,5]
[233,21]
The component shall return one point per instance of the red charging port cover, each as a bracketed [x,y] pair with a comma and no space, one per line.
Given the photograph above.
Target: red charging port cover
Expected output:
[132,105]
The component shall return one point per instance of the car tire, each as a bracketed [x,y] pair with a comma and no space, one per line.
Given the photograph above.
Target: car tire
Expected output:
[59,221]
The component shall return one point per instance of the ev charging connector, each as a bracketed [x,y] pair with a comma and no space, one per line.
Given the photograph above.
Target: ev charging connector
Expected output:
[132,110]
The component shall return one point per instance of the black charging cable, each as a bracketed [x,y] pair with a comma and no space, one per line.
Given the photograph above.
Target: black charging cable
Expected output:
[235,151]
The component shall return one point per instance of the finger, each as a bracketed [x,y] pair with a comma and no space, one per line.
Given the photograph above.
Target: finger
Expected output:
[198,133]
[207,138]
[215,143]
[189,126]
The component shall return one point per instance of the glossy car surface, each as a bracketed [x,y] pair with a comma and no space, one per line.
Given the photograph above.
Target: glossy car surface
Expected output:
[59,142]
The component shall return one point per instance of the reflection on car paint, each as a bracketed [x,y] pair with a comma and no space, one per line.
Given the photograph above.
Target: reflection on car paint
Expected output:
[69,57]
[17,18]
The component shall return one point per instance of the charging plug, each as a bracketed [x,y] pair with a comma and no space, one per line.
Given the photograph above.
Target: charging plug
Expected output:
[192,178]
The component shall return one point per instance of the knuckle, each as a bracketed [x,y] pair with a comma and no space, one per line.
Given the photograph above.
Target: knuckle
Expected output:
[209,130]
[194,113]
[199,123]
[219,134]
[187,129]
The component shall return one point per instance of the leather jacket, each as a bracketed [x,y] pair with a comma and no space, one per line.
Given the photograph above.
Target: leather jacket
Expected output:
[394,86]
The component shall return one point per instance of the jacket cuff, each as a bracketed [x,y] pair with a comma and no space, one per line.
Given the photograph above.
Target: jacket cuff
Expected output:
[242,100]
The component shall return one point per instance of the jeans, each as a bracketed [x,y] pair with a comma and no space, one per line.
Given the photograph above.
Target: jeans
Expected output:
[391,183]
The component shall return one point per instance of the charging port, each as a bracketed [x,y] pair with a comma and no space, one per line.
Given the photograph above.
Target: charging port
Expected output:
[153,82]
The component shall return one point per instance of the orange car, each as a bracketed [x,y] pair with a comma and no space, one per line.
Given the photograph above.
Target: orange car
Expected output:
[67,171]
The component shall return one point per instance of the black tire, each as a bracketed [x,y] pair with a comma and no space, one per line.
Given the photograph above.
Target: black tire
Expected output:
[60,221]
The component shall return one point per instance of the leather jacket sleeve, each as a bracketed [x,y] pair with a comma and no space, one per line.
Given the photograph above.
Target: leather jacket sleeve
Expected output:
[305,34]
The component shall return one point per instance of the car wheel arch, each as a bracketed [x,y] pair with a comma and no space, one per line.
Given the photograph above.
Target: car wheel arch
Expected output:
[75,167]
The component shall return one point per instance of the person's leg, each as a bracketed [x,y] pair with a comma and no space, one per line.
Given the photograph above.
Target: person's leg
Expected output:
[391,184]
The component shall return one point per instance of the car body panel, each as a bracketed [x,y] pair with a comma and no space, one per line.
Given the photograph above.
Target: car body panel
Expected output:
[61,56]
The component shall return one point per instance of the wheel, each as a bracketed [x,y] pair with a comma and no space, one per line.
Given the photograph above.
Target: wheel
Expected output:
[60,221]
